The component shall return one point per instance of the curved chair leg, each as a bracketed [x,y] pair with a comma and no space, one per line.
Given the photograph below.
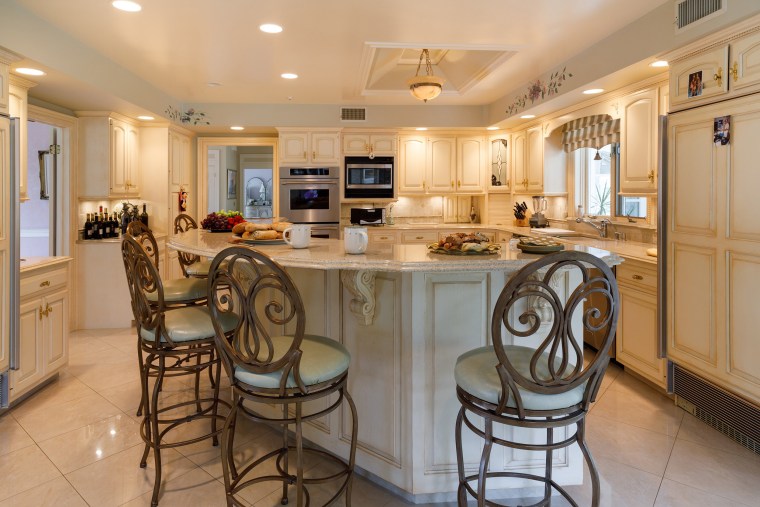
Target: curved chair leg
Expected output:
[286,467]
[197,375]
[549,456]
[352,452]
[461,492]
[595,489]
[484,459]
[156,437]
[145,408]
[299,457]
[215,409]
[226,451]
[236,400]
[141,364]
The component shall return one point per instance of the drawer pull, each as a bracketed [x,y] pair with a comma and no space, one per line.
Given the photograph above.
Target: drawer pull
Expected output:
[383,237]
[46,283]
[419,237]
[637,277]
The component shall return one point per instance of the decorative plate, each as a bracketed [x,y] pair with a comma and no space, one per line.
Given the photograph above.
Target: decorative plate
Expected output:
[490,249]
[539,245]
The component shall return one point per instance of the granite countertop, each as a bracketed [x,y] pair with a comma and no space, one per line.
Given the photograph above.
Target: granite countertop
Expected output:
[80,241]
[30,263]
[329,254]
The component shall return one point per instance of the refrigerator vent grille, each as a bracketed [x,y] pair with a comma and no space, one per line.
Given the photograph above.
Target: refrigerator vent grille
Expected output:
[728,414]
[353,114]
[4,399]
[691,11]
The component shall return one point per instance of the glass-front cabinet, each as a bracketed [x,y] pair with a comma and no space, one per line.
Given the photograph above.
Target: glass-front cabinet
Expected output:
[499,159]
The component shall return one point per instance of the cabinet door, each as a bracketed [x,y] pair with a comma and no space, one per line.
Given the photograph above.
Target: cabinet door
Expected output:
[55,331]
[535,163]
[745,62]
[470,164]
[119,157]
[638,143]
[132,172]
[698,78]
[355,144]
[17,103]
[637,334]
[441,164]
[294,147]
[4,79]
[179,162]
[382,144]
[325,148]
[30,367]
[411,164]
[519,160]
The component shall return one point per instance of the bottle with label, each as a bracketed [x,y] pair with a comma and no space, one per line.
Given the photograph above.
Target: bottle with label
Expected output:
[95,227]
[114,225]
[106,225]
[144,216]
[87,233]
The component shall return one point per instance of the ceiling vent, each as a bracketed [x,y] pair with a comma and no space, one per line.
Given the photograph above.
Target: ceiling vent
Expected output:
[353,114]
[689,12]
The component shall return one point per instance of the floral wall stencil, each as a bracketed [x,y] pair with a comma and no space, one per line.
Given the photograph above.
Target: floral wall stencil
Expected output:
[539,90]
[189,117]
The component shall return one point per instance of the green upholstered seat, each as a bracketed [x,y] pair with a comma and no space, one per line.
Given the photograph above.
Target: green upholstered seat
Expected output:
[199,268]
[190,323]
[475,372]
[181,289]
[323,359]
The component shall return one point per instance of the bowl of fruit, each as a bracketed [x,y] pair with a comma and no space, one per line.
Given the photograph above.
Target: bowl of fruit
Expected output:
[221,221]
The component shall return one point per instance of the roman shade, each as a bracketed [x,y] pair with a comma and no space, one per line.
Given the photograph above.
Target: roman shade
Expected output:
[590,132]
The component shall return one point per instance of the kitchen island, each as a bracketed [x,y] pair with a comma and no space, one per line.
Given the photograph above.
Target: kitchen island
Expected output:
[405,315]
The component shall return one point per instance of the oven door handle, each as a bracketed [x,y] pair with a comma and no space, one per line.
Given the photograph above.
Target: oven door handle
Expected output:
[307,182]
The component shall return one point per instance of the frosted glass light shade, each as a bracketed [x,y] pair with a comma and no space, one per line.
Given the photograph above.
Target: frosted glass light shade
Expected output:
[425,87]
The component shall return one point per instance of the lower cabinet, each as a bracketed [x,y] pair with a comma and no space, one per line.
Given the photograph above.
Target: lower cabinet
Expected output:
[637,336]
[44,327]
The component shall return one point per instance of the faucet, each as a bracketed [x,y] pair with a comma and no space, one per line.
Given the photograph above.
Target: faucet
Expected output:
[600,226]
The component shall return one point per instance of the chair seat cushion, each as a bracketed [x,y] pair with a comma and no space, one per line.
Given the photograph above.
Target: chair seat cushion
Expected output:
[323,359]
[190,323]
[199,268]
[475,372]
[181,290]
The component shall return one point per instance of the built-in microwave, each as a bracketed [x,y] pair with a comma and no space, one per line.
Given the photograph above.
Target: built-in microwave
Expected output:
[368,178]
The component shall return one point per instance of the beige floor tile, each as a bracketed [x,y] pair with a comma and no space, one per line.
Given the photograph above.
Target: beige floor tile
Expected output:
[82,345]
[55,493]
[63,390]
[106,371]
[719,472]
[630,445]
[674,494]
[620,485]
[646,409]
[54,420]
[88,444]
[125,396]
[195,488]
[12,435]
[123,341]
[694,430]
[24,469]
[119,478]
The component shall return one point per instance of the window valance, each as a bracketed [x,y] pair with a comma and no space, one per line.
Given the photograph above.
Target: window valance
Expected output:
[590,132]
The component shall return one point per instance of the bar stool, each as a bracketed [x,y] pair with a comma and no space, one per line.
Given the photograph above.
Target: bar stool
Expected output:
[267,366]
[176,342]
[544,384]
[192,265]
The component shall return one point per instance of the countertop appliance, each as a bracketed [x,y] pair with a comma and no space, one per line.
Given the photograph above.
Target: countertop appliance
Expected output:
[539,207]
[11,344]
[310,195]
[369,178]
[368,216]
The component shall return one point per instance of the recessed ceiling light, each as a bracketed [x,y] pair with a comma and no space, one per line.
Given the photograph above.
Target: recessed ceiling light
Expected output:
[270,28]
[145,117]
[127,5]
[421,128]
[289,75]
[236,127]
[659,63]
[29,71]
[528,116]
[593,91]
[213,84]
[492,128]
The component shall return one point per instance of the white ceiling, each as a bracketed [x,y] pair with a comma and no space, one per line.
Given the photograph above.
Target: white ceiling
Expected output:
[345,51]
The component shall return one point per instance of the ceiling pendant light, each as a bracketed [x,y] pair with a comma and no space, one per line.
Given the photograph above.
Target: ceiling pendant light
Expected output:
[597,156]
[425,87]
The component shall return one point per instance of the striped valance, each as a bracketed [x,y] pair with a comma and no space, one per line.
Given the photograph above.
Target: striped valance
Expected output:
[590,132]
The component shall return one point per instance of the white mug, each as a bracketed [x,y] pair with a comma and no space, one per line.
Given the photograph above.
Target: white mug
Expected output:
[297,235]
[355,239]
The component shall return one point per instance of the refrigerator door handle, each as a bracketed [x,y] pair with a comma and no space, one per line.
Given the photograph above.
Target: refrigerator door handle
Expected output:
[662,232]
[15,331]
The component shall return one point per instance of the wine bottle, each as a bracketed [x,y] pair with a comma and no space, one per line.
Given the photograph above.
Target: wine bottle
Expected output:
[106,224]
[87,233]
[144,216]
[95,227]
[114,225]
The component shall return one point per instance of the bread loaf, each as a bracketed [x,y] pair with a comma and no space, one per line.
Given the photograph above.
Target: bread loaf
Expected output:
[263,235]
[250,227]
[239,228]
[281,226]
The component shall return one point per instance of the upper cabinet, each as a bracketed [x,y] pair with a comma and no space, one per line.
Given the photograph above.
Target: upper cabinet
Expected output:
[500,177]
[528,160]
[441,164]
[309,147]
[721,71]
[180,161]
[17,105]
[368,143]
[638,143]
[109,158]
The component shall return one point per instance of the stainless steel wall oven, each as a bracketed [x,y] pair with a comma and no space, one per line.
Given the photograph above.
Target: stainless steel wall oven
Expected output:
[311,195]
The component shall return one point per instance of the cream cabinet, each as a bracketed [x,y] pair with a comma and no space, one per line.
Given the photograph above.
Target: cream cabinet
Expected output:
[722,70]
[365,144]
[44,328]
[638,143]
[637,333]
[302,147]
[442,164]
[471,164]
[109,151]
[180,161]
[18,100]
[382,236]
[411,164]
[425,236]
[528,160]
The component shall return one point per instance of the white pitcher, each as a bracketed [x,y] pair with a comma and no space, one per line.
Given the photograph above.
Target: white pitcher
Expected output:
[355,239]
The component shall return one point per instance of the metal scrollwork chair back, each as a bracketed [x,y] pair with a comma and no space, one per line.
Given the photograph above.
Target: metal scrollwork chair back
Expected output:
[144,236]
[143,282]
[183,223]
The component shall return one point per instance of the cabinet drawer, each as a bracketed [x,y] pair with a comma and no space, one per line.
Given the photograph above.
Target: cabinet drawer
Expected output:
[42,281]
[419,237]
[637,274]
[383,237]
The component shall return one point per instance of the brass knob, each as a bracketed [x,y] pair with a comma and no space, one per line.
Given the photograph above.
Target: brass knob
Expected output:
[304,155]
[637,277]
[48,309]
[459,183]
[46,283]
[42,312]
[650,176]
[452,183]
[719,76]
[735,71]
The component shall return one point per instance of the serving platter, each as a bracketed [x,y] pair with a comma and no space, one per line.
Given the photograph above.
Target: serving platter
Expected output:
[218,230]
[490,249]
[539,245]
[263,241]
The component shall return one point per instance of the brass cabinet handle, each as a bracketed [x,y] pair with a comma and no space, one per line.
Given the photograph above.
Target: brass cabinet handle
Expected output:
[650,176]
[459,183]
[313,155]
[42,312]
[719,76]
[46,283]
[304,155]
[637,277]
[734,71]
[419,237]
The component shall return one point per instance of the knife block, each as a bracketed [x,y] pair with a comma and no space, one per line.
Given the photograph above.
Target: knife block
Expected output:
[522,222]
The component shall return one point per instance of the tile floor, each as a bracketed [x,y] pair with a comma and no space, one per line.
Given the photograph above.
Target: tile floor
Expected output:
[77,443]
